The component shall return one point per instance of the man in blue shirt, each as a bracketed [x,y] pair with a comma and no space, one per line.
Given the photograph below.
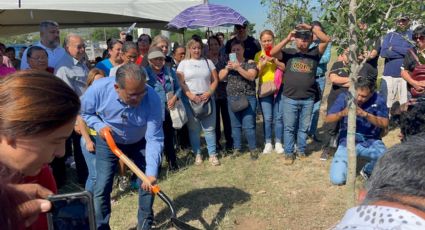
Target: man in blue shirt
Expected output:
[372,120]
[394,48]
[127,106]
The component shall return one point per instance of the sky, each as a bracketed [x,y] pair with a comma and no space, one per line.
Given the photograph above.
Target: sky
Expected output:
[250,9]
[253,11]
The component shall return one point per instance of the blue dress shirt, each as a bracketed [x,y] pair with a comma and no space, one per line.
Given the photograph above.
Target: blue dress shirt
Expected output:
[101,107]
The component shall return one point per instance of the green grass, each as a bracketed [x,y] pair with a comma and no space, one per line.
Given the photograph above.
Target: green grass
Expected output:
[245,194]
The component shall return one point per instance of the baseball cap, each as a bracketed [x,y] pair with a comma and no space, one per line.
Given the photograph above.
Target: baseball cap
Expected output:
[155,52]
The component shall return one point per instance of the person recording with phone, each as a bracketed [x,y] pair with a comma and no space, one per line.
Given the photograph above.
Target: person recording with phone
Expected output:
[164,81]
[38,113]
[300,89]
[128,108]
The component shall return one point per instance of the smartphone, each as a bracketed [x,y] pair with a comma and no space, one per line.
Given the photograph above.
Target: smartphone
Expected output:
[71,211]
[232,57]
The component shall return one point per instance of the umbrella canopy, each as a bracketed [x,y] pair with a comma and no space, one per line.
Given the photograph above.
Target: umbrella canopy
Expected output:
[206,15]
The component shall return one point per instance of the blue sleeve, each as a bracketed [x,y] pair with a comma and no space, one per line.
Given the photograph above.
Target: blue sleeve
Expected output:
[339,104]
[326,57]
[154,135]
[89,103]
[177,89]
[394,46]
[382,109]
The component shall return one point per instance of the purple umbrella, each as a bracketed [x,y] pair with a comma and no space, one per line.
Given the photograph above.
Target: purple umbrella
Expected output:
[206,15]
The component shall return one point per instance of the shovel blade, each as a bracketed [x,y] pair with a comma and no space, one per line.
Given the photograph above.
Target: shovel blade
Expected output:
[180,225]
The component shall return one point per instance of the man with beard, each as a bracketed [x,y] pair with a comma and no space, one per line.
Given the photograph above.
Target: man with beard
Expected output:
[49,40]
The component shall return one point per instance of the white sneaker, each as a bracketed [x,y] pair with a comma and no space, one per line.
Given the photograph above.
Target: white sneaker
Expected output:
[268,148]
[278,148]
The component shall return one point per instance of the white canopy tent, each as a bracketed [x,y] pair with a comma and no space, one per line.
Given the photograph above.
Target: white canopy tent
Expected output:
[87,13]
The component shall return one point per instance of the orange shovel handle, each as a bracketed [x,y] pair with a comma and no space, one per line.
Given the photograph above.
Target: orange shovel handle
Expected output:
[130,164]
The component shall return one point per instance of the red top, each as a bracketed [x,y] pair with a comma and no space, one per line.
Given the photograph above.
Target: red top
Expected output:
[44,178]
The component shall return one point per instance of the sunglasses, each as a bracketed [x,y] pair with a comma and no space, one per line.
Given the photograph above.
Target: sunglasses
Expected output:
[420,37]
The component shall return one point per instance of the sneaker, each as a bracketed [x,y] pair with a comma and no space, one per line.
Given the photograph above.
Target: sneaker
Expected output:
[325,154]
[364,174]
[268,148]
[214,160]
[278,148]
[288,159]
[301,156]
[254,154]
[123,183]
[198,159]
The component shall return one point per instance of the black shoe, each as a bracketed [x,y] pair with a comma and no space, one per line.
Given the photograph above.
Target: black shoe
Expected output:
[253,154]
[288,159]
[301,156]
[325,154]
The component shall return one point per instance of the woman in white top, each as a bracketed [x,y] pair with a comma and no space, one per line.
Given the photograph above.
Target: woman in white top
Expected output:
[198,79]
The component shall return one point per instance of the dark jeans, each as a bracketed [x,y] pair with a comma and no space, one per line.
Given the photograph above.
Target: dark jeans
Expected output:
[182,137]
[169,151]
[221,108]
[106,165]
[332,129]
[72,148]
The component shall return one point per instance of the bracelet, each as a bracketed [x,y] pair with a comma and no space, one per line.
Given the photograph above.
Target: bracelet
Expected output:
[211,91]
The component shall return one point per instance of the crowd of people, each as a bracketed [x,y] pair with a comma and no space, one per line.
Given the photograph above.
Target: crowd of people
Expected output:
[156,99]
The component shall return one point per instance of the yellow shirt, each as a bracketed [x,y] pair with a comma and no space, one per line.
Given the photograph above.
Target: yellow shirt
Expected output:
[267,73]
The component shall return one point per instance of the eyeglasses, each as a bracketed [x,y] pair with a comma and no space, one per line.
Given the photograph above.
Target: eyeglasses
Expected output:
[419,37]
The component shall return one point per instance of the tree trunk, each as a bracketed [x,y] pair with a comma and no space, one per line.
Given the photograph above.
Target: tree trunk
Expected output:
[351,129]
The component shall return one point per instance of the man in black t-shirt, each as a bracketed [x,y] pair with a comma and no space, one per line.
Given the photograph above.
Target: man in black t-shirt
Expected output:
[299,85]
[338,75]
[252,46]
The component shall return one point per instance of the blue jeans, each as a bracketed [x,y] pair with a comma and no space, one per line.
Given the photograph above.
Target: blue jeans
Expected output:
[91,164]
[272,113]
[321,80]
[338,171]
[296,114]
[206,124]
[106,165]
[245,120]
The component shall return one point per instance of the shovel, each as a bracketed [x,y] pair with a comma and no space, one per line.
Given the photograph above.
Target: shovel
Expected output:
[178,224]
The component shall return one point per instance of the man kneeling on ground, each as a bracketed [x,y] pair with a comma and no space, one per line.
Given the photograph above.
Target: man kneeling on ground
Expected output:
[372,120]
[395,196]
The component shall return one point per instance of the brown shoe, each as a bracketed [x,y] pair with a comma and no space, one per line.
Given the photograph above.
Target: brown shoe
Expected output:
[214,160]
[288,159]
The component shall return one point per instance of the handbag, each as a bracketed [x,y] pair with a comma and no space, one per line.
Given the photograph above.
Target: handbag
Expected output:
[178,115]
[418,74]
[201,110]
[266,89]
[238,103]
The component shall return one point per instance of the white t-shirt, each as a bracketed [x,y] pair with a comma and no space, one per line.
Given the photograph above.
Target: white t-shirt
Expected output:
[197,74]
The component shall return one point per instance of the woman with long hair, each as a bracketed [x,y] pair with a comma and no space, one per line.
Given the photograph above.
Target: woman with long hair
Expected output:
[114,58]
[271,105]
[198,80]
[37,114]
[240,74]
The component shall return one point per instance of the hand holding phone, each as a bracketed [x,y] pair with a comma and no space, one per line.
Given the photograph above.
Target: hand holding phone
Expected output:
[71,211]
[232,57]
